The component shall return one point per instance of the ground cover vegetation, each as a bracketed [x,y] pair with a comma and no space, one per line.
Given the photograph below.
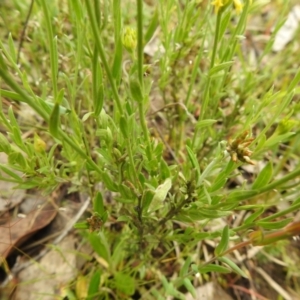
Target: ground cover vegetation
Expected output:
[179,125]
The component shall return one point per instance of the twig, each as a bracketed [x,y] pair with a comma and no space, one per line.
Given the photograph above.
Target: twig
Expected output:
[274,284]
[252,293]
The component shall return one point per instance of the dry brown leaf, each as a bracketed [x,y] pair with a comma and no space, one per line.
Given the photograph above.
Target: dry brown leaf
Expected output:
[17,231]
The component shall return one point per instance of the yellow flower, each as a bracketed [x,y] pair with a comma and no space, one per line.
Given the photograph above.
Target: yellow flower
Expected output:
[238,6]
[217,4]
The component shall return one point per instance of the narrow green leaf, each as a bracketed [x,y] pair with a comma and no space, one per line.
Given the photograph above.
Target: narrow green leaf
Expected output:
[261,143]
[263,177]
[60,96]
[220,67]
[194,161]
[207,194]
[189,286]
[166,284]
[152,27]
[156,294]
[109,183]
[99,100]
[117,10]
[10,173]
[12,118]
[49,106]
[233,266]
[213,213]
[223,245]
[274,225]
[98,88]
[164,168]
[3,63]
[296,202]
[192,157]
[207,171]
[16,158]
[218,184]
[12,49]
[294,82]
[224,24]
[94,285]
[240,195]
[254,216]
[55,66]
[98,205]
[276,139]
[185,267]
[100,245]
[104,216]
[213,268]
[17,138]
[124,127]
[205,123]
[81,225]
[4,144]
[54,122]
[136,91]
[117,63]
[77,8]
[195,268]
[147,198]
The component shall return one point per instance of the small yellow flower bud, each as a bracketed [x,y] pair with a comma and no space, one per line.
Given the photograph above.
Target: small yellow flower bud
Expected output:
[129,39]
[38,144]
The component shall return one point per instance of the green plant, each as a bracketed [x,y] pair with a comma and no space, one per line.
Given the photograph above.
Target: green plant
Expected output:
[93,126]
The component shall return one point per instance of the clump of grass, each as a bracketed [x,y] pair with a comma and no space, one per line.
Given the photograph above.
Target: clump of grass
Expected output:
[85,76]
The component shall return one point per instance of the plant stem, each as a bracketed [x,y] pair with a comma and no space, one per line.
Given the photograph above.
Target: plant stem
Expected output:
[140,55]
[207,86]
[25,97]
[144,126]
[130,155]
[215,47]
[52,49]
[140,42]
[102,55]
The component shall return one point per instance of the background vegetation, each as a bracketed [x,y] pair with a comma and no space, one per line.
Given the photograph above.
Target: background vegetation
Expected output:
[172,117]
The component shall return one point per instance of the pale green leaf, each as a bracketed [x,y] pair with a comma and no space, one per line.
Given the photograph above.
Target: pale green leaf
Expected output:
[233,266]
[223,245]
[160,195]
[263,177]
